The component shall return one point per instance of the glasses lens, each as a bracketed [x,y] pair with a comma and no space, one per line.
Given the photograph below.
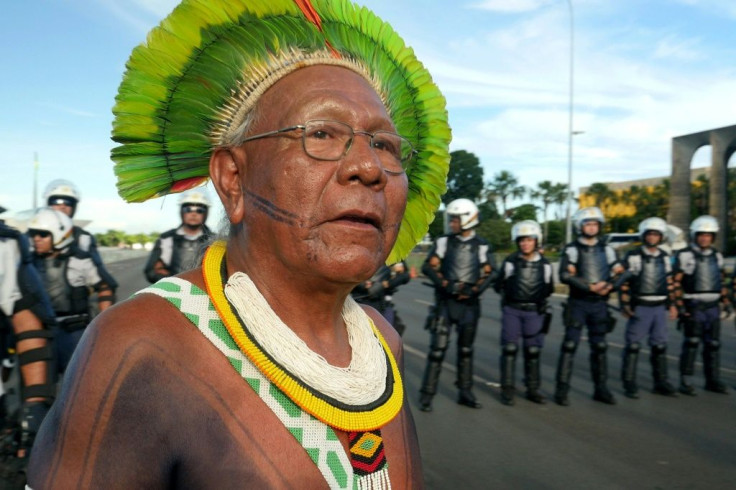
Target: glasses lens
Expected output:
[395,151]
[61,201]
[194,209]
[326,140]
[39,233]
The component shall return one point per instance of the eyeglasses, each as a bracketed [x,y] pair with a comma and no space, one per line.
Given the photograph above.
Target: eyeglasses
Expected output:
[62,201]
[39,233]
[323,139]
[194,209]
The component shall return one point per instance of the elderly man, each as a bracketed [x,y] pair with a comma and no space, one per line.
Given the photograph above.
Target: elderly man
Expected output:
[330,152]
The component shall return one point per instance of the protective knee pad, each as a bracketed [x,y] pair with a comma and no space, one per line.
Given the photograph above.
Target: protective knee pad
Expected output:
[510,349]
[532,352]
[569,346]
[436,355]
[712,345]
[692,342]
[465,352]
[659,349]
[599,347]
[633,347]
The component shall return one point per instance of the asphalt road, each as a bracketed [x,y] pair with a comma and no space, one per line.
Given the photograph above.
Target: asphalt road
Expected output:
[651,443]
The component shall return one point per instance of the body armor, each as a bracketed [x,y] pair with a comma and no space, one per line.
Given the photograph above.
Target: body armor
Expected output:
[707,275]
[527,284]
[592,263]
[652,279]
[461,262]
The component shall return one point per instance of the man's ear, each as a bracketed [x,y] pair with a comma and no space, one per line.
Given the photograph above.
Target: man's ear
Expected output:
[226,176]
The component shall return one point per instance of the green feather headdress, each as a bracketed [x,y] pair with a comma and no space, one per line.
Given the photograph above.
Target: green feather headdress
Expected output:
[190,86]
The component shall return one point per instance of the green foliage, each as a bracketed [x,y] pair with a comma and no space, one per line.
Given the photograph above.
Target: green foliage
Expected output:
[437,227]
[113,238]
[497,232]
[555,238]
[488,210]
[465,179]
[525,211]
[504,185]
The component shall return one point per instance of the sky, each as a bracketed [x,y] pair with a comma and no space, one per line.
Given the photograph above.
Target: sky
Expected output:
[644,72]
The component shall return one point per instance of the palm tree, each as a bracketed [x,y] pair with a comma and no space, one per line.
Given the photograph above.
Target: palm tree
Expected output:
[504,185]
[601,194]
[549,193]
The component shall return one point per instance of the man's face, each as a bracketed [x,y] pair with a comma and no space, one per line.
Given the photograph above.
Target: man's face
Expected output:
[334,219]
[652,238]
[591,228]
[65,205]
[193,214]
[704,240]
[527,245]
[454,224]
[42,243]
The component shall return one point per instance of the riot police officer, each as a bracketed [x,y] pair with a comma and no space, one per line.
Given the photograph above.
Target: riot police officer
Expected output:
[62,195]
[461,267]
[525,282]
[588,267]
[378,292]
[178,249]
[701,292]
[68,275]
[646,295]
[26,319]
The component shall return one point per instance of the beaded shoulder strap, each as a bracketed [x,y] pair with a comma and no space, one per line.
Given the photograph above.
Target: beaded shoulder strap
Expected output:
[317,438]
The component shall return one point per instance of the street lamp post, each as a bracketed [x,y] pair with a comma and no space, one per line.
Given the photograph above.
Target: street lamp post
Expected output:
[568,228]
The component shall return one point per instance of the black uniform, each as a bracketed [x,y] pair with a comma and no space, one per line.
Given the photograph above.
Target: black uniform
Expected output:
[525,286]
[700,284]
[68,279]
[85,242]
[593,264]
[21,290]
[466,270]
[646,293]
[378,292]
[177,251]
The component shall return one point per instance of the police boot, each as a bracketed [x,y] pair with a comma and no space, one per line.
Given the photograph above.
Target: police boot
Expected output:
[659,371]
[628,370]
[712,367]
[564,372]
[599,370]
[531,375]
[465,378]
[431,378]
[687,364]
[508,371]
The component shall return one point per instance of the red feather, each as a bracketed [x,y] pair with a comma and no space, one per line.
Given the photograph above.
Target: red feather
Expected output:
[312,16]
[309,12]
[186,184]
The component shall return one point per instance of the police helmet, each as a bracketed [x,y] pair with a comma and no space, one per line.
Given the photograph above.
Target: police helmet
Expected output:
[466,210]
[62,189]
[55,222]
[591,213]
[703,224]
[198,197]
[653,224]
[528,228]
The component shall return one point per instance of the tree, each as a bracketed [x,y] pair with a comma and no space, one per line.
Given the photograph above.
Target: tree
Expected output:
[497,232]
[525,211]
[504,185]
[601,194]
[465,178]
[549,193]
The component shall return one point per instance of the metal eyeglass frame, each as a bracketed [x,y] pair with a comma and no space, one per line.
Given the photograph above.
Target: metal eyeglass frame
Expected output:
[348,145]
